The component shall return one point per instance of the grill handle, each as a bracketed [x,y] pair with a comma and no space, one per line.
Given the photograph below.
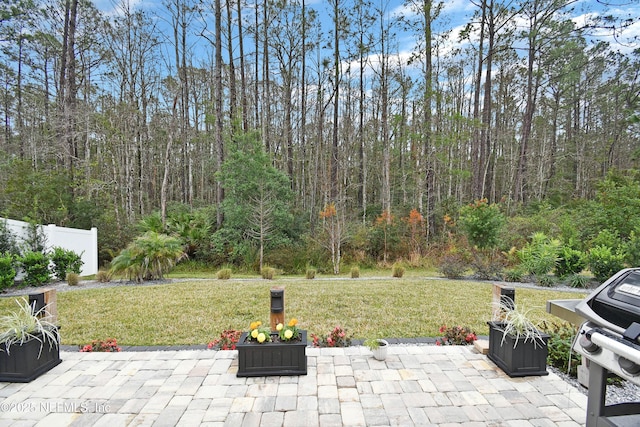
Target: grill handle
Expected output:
[621,349]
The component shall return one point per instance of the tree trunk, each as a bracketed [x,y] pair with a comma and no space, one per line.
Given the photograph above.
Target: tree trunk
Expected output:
[266,80]
[333,195]
[243,82]
[303,108]
[218,109]
[476,165]
[68,86]
[485,134]
[232,71]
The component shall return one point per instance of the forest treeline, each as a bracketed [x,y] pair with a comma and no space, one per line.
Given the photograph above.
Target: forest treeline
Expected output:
[272,120]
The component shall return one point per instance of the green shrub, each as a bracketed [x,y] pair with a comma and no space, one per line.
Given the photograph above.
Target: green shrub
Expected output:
[540,255]
[355,272]
[8,243]
[224,274]
[607,238]
[481,223]
[518,228]
[578,281]
[35,266]
[397,270]
[604,263]
[311,273]
[268,273]
[546,280]
[7,271]
[631,248]
[65,261]
[73,279]
[559,345]
[35,239]
[103,276]
[513,275]
[570,261]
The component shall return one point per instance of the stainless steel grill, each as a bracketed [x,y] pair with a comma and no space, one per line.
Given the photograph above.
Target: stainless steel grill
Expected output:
[610,340]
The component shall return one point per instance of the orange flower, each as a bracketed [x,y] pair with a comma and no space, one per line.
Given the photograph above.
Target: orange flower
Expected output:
[293,322]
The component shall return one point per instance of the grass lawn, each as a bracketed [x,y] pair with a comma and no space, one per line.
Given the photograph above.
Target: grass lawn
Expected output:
[195,312]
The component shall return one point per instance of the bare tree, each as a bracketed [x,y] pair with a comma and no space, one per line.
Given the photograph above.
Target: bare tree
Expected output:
[262,220]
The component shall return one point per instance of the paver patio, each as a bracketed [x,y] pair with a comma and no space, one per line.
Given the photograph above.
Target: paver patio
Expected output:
[416,385]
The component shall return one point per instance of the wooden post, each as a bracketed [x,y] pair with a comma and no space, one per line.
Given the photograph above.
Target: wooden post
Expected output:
[46,304]
[500,294]
[277,307]
[51,304]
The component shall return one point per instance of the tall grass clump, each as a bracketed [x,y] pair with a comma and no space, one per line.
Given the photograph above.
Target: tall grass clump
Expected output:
[355,272]
[224,274]
[310,273]
[397,270]
[73,279]
[103,276]
[268,273]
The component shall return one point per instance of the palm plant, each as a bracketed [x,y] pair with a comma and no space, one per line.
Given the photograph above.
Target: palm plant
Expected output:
[127,264]
[148,257]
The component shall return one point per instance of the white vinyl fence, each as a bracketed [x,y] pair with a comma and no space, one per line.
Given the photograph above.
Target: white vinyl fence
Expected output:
[82,242]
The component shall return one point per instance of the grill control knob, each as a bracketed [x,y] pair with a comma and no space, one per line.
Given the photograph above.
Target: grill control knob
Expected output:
[628,366]
[587,344]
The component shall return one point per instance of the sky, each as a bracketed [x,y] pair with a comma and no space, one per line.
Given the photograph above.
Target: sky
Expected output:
[455,14]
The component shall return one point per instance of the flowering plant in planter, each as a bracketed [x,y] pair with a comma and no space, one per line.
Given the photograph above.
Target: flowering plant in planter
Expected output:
[110,345]
[227,341]
[289,331]
[259,333]
[456,335]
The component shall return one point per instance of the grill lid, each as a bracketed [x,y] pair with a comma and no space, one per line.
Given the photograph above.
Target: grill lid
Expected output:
[615,304]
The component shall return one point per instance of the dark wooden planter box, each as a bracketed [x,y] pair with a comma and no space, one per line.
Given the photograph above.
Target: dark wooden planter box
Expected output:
[23,365]
[526,359]
[272,358]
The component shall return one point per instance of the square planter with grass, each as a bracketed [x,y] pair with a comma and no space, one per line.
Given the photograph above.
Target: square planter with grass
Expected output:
[272,358]
[517,357]
[26,362]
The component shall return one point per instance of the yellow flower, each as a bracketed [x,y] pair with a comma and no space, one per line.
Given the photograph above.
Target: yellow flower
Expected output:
[261,337]
[253,325]
[288,334]
[259,323]
[254,334]
[279,327]
[293,322]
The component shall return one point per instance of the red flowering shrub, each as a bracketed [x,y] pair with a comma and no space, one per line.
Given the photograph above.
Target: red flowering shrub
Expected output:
[227,341]
[337,338]
[456,335]
[110,345]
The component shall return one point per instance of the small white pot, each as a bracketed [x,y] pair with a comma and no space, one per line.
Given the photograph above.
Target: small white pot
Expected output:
[380,353]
